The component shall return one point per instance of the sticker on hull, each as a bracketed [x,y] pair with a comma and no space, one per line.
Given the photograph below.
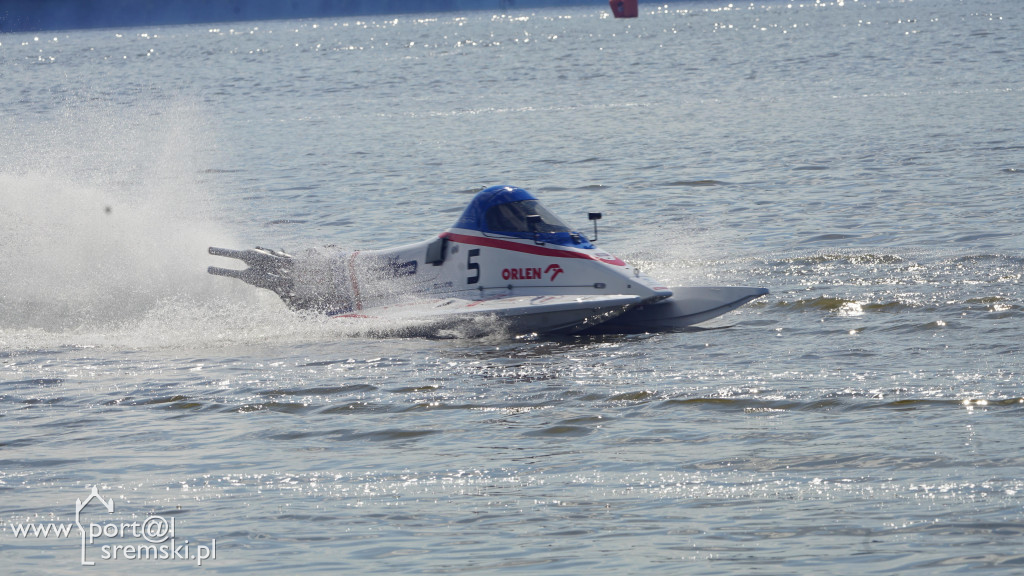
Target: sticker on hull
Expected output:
[532,273]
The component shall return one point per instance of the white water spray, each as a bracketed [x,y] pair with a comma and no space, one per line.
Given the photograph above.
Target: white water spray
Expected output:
[105,223]
[104,230]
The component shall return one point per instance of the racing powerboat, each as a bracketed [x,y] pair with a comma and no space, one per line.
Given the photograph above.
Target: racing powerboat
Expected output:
[506,257]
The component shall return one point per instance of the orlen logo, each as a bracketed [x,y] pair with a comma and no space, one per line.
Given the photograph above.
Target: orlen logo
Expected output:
[555,270]
[531,273]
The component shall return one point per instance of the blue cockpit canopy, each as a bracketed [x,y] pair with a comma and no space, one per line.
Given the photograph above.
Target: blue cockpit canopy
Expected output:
[504,211]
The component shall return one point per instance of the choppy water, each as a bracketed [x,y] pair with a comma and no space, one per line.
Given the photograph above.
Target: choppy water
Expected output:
[864,160]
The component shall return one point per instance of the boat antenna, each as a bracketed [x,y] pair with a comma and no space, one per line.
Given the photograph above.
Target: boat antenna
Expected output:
[594,216]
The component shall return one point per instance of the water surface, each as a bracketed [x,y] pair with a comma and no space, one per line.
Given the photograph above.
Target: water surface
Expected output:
[863,160]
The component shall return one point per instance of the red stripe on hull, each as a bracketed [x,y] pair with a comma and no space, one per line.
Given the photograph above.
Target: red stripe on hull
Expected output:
[526,248]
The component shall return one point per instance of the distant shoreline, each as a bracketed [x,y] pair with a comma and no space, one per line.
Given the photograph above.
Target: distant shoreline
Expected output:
[40,15]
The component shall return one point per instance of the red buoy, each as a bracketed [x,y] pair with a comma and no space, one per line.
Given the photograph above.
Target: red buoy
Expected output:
[624,8]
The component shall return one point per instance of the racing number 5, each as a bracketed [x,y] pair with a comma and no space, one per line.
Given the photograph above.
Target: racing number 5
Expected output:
[470,265]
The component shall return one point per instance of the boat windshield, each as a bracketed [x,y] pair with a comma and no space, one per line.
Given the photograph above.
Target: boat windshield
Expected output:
[511,217]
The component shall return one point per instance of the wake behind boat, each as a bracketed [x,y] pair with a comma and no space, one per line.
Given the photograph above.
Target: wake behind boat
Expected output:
[508,257]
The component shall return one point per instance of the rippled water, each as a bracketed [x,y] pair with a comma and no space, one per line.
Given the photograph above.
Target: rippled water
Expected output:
[863,160]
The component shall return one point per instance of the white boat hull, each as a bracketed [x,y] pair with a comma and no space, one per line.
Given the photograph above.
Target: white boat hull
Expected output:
[519,315]
[506,257]
[688,306]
